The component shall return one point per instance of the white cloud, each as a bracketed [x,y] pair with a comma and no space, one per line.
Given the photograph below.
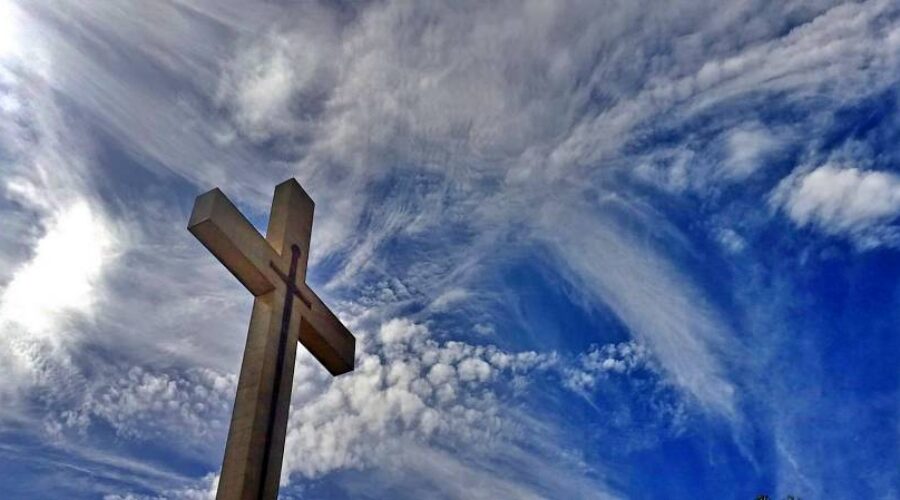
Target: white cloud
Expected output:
[63,275]
[661,307]
[414,394]
[843,201]
[46,296]
[730,240]
[600,361]
[747,149]
[470,111]
[144,405]
[401,330]
[485,329]
[205,489]
[437,473]
[10,35]
[275,89]
[474,369]
[449,298]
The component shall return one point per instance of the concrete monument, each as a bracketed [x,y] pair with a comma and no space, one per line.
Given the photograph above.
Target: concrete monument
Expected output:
[285,311]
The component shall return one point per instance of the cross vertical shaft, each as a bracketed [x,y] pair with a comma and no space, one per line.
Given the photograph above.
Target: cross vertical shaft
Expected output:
[290,283]
[254,449]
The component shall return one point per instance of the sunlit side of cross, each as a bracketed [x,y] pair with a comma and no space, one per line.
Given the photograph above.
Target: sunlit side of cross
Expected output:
[285,311]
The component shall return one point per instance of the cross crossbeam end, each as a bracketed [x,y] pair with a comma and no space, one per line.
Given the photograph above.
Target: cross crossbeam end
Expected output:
[222,229]
[325,336]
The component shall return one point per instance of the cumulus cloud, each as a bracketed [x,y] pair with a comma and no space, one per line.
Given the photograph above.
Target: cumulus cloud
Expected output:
[400,330]
[599,361]
[144,405]
[407,385]
[843,201]
[412,394]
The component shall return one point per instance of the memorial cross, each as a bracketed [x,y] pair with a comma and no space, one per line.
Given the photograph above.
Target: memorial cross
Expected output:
[285,311]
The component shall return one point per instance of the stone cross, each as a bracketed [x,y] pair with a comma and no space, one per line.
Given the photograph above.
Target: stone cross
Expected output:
[285,310]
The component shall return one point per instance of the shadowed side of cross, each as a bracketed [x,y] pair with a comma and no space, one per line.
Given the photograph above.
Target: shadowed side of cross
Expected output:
[285,311]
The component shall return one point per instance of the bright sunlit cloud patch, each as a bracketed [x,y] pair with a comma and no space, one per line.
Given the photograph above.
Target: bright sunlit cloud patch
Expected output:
[10,21]
[62,275]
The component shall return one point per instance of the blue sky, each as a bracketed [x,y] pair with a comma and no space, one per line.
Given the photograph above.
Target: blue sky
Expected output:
[589,249]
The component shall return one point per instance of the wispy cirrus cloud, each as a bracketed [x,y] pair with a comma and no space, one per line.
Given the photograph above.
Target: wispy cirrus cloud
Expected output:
[60,241]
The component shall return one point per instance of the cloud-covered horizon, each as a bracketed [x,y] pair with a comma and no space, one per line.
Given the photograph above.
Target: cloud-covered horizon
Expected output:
[589,249]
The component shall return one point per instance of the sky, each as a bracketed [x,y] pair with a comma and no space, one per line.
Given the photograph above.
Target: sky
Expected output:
[589,249]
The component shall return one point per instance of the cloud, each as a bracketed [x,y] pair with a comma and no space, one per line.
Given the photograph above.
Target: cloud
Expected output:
[10,37]
[437,473]
[57,287]
[470,113]
[599,361]
[843,201]
[437,140]
[400,330]
[409,386]
[730,240]
[275,90]
[61,241]
[659,305]
[413,395]
[143,405]
[747,149]
[449,298]
[205,489]
[62,276]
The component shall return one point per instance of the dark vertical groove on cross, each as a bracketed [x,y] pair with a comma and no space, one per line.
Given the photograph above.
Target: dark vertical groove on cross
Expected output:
[291,284]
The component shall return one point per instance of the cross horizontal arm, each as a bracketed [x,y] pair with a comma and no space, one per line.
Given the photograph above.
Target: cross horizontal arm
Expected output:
[323,334]
[219,225]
